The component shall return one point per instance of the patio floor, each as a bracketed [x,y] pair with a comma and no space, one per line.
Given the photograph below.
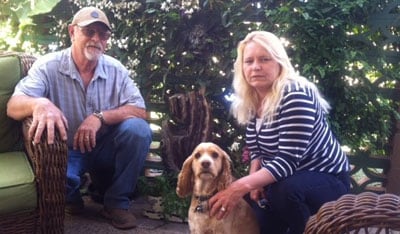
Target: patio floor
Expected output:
[91,222]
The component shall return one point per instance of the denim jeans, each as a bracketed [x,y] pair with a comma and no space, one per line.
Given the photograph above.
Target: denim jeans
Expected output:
[293,200]
[114,164]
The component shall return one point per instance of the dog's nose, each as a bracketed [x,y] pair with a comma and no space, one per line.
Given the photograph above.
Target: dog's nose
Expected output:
[205,164]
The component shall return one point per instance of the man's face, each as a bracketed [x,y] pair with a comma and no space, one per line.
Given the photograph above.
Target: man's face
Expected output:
[91,39]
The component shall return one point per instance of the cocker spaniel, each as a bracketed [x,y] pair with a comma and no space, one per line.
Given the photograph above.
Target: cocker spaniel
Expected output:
[205,172]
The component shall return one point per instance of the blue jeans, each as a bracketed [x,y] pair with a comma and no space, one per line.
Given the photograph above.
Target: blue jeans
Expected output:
[114,164]
[293,200]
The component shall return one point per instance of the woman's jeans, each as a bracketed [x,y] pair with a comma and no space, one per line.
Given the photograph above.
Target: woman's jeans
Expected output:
[292,201]
[114,164]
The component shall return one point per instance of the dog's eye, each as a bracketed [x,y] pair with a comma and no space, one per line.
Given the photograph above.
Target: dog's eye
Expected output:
[214,155]
[197,155]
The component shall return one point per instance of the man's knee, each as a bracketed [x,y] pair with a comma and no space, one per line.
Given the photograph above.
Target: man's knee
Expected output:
[133,130]
[136,127]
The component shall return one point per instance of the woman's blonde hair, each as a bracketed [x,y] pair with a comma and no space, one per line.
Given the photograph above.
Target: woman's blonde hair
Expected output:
[245,102]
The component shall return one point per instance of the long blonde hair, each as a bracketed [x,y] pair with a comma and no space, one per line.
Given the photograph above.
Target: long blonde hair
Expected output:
[244,106]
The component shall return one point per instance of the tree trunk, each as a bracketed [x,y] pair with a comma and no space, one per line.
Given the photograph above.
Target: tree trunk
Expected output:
[189,124]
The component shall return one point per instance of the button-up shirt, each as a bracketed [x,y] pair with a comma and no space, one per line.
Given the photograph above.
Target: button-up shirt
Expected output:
[56,77]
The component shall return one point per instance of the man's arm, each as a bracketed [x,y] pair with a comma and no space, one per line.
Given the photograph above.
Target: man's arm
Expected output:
[45,116]
[85,136]
[21,106]
[121,113]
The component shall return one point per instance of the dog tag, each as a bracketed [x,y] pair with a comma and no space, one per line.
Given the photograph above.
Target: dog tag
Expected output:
[199,208]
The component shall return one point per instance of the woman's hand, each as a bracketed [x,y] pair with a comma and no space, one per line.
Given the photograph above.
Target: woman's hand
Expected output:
[225,201]
[257,194]
[222,203]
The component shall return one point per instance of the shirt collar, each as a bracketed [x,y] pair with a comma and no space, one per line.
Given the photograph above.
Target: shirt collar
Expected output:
[68,67]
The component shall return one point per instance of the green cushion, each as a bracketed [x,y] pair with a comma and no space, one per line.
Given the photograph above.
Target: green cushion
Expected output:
[17,183]
[10,74]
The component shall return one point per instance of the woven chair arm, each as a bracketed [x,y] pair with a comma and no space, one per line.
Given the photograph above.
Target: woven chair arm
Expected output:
[366,212]
[49,162]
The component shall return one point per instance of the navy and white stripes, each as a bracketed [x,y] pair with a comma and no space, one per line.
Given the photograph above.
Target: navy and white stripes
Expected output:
[298,138]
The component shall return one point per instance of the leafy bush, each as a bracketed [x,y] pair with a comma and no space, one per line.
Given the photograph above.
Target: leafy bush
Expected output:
[178,46]
[164,187]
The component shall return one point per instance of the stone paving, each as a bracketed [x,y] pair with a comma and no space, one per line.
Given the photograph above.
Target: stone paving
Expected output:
[90,222]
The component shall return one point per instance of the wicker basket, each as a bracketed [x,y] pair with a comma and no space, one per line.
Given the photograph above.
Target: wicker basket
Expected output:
[366,212]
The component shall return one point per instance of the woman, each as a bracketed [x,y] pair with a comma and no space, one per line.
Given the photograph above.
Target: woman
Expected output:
[296,162]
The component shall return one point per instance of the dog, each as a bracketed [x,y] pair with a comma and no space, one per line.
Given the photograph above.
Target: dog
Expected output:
[205,172]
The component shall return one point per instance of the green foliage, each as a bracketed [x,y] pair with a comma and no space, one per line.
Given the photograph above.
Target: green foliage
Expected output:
[164,187]
[171,47]
[336,44]
[179,46]
[17,23]
[153,186]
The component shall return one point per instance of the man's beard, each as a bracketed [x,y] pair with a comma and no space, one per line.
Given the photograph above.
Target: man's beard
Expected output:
[93,51]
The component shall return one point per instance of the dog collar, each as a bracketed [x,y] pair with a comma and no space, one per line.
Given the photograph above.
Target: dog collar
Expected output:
[200,199]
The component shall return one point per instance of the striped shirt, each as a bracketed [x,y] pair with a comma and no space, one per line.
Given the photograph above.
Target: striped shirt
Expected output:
[56,77]
[299,137]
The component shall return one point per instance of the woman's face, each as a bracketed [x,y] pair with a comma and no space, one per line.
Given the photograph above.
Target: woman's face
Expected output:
[260,70]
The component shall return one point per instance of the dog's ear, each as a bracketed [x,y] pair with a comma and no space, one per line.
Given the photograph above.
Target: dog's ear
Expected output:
[226,174]
[184,185]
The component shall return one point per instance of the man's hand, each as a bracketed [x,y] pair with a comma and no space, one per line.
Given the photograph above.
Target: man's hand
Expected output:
[47,116]
[85,136]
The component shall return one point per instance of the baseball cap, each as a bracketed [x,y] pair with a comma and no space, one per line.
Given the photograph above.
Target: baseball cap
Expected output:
[89,15]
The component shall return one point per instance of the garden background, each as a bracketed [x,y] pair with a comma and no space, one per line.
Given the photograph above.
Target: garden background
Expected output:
[349,48]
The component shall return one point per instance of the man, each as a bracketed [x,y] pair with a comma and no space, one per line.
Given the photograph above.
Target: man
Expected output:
[89,98]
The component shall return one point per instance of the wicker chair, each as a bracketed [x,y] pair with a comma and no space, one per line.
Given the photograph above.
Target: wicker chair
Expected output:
[48,163]
[366,212]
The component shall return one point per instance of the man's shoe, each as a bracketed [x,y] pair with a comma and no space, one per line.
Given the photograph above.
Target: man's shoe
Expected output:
[74,208]
[120,218]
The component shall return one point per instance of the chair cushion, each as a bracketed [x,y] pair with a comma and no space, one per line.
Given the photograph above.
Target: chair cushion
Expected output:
[10,133]
[17,183]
